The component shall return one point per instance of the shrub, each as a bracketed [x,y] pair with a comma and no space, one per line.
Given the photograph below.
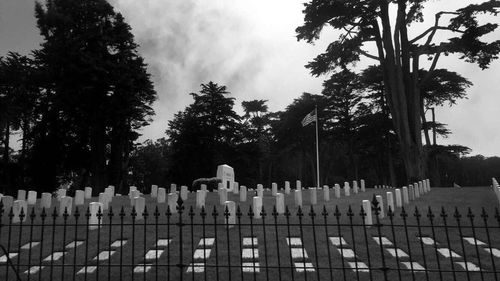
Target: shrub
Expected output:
[212,183]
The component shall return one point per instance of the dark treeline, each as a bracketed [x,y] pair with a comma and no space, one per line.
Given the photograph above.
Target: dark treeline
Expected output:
[76,102]
[356,141]
[75,106]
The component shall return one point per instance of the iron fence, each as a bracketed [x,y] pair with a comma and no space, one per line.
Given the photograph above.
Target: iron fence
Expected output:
[315,243]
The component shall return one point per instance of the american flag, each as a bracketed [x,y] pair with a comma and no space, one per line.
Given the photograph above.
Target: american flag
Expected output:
[311,117]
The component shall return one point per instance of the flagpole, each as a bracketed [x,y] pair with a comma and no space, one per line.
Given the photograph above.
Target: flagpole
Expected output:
[317,149]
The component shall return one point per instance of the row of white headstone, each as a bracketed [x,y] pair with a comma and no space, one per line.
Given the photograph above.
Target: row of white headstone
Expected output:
[496,188]
[403,197]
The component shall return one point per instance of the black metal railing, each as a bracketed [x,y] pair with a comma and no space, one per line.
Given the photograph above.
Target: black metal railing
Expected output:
[315,243]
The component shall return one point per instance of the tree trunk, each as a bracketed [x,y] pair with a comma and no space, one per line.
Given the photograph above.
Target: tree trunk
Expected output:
[98,157]
[6,144]
[116,159]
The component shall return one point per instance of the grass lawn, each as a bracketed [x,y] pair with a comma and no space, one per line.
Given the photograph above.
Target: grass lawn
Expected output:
[271,233]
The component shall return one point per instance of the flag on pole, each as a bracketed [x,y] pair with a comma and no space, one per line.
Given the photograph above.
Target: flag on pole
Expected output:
[311,117]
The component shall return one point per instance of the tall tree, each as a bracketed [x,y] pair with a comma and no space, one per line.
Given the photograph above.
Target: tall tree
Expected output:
[99,87]
[370,21]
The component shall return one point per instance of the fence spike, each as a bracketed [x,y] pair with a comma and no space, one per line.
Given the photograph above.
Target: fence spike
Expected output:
[238,212]
[250,212]
[203,213]
[311,212]
[324,213]
[430,214]
[403,213]
[214,212]
[456,214]
[417,213]
[274,213]
[350,213]
[299,212]
[145,213]
[156,214]
[484,215]
[337,212]
[470,215]
[191,212]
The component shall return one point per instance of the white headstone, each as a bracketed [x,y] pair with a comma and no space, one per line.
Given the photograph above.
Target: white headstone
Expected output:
[260,190]
[222,195]
[154,191]
[326,193]
[94,221]
[406,199]
[66,202]
[230,220]
[184,193]
[139,205]
[7,202]
[287,187]
[103,199]
[355,187]
[298,197]
[162,194]
[172,202]
[226,174]
[367,208]
[337,190]
[110,192]
[390,201]
[417,191]
[257,206]
[313,193]
[347,190]
[79,197]
[21,194]
[411,192]
[32,197]
[131,192]
[363,189]
[61,192]
[236,188]
[16,210]
[88,192]
[203,187]
[200,199]
[380,201]
[421,187]
[173,188]
[243,193]
[46,200]
[280,203]
[131,195]
[429,184]
[298,185]
[399,202]
[274,189]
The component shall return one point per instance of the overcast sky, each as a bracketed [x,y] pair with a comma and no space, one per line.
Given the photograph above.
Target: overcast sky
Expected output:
[250,46]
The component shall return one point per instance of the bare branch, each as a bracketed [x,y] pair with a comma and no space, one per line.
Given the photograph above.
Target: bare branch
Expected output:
[364,53]
[433,66]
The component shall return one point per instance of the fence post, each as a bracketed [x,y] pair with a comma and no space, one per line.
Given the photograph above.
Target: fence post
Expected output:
[377,209]
[180,224]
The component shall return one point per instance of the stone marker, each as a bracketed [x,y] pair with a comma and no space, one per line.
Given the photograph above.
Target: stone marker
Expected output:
[380,201]
[131,191]
[406,199]
[243,193]
[79,197]
[88,192]
[16,210]
[313,193]
[337,190]
[203,187]
[131,195]
[46,200]
[154,191]
[326,193]
[32,197]
[429,184]
[260,190]
[257,206]
[111,190]
[399,202]
[66,202]
[184,193]
[94,221]
[173,188]
[298,197]
[280,203]
[7,202]
[417,191]
[21,194]
[274,189]
[236,187]
[298,185]
[200,199]
[355,187]
[226,174]
[139,205]
[347,190]
[230,220]
[162,194]
[363,189]
[421,187]
[287,187]
[411,192]
[390,201]
[172,202]
[222,195]
[61,192]
[103,199]
[367,208]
